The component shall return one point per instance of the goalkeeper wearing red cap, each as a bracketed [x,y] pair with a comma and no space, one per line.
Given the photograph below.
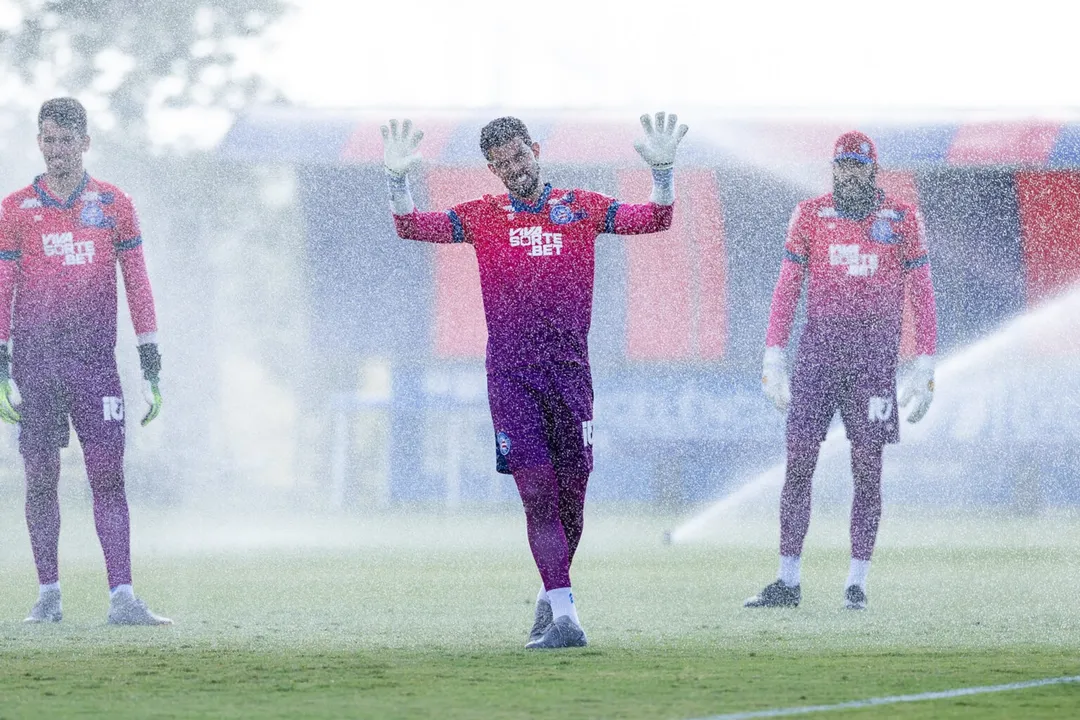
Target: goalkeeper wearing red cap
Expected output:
[858,248]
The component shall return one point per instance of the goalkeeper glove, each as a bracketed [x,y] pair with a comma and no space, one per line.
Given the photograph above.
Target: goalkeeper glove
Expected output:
[400,148]
[150,362]
[919,386]
[661,140]
[9,391]
[774,378]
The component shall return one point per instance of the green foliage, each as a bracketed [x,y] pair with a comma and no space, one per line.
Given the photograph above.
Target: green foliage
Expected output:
[132,53]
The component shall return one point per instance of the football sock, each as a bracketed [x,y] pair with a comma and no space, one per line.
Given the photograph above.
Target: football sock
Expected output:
[43,511]
[562,603]
[121,590]
[42,589]
[789,569]
[866,500]
[795,497]
[572,484]
[542,595]
[857,574]
[539,495]
[105,470]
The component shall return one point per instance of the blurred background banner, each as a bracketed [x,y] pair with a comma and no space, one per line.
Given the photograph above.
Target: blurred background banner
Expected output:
[679,318]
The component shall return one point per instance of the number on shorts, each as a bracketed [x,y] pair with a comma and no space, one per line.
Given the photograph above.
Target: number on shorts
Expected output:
[586,433]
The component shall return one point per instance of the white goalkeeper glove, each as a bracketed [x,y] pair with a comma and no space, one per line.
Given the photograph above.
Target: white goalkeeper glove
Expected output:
[658,147]
[400,148]
[774,378]
[150,363]
[400,155]
[10,398]
[919,386]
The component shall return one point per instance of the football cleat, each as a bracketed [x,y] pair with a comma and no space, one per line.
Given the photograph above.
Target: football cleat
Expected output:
[562,633]
[854,598]
[542,621]
[126,609]
[46,609]
[776,595]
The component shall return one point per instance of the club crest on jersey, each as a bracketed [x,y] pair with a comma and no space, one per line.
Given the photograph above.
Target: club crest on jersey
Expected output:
[93,215]
[503,442]
[564,215]
[30,203]
[92,196]
[882,231]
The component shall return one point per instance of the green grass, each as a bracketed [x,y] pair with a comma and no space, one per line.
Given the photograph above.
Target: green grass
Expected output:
[405,616]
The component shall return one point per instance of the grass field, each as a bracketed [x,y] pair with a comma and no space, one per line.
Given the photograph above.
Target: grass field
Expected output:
[426,616]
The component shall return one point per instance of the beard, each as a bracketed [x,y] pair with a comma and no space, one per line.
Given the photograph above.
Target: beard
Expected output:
[525,187]
[60,167]
[855,199]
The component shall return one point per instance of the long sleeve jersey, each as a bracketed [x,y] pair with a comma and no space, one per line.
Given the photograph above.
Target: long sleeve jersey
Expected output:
[58,258]
[857,269]
[536,264]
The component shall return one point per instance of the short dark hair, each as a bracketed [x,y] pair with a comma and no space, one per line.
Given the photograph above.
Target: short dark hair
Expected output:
[501,131]
[67,112]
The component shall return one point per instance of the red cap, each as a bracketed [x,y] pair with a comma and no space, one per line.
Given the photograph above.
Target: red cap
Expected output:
[855,146]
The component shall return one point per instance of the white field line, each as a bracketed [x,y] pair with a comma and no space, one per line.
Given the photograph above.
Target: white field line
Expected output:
[893,699]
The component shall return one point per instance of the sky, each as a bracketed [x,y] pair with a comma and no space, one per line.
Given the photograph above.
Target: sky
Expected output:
[826,59]
[818,58]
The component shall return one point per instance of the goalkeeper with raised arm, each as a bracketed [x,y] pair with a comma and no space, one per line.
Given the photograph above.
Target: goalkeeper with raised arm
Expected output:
[859,248]
[535,249]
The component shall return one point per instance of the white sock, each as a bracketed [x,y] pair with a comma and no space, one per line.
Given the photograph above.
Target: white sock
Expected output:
[789,569]
[42,589]
[542,595]
[121,590]
[857,574]
[562,603]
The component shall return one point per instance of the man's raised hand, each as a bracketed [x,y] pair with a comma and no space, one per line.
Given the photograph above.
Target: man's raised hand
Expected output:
[400,153]
[661,140]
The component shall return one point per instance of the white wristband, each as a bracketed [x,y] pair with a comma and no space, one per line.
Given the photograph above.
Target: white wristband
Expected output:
[663,187]
[401,202]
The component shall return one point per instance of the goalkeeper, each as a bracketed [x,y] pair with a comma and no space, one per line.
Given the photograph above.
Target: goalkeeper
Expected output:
[61,240]
[860,248]
[535,249]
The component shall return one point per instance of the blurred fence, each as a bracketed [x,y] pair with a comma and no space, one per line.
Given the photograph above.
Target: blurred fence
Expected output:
[679,318]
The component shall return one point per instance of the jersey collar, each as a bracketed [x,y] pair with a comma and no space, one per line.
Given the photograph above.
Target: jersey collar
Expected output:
[520,205]
[49,200]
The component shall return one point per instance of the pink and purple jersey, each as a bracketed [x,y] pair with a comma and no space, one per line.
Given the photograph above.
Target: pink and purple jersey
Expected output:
[58,257]
[857,272]
[536,265]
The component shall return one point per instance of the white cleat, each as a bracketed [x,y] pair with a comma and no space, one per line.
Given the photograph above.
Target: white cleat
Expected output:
[47,609]
[562,633]
[126,609]
[541,622]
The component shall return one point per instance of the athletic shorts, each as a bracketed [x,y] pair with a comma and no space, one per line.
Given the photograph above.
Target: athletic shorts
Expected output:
[87,390]
[542,416]
[852,374]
